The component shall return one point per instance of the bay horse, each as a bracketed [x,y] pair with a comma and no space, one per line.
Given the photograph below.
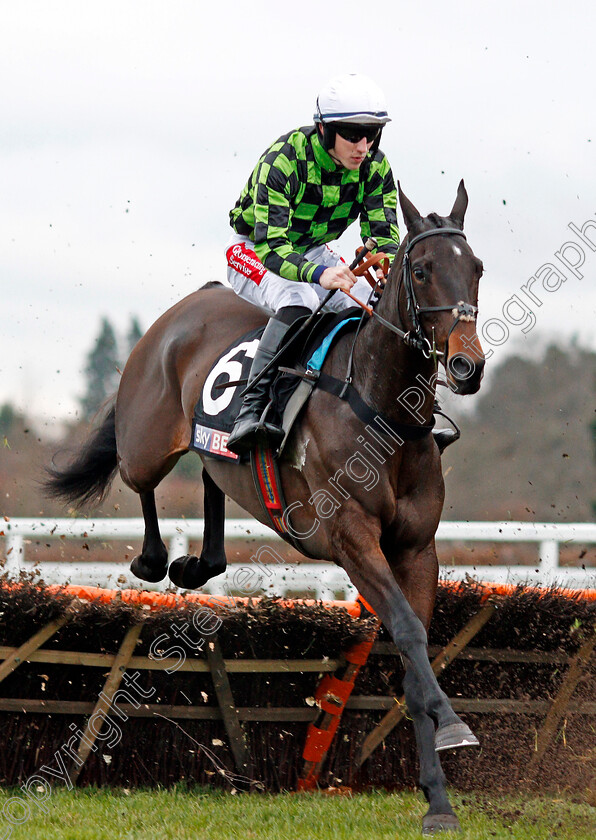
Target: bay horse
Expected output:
[372,509]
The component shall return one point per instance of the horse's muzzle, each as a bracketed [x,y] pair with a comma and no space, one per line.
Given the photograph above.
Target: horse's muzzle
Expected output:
[463,376]
[465,361]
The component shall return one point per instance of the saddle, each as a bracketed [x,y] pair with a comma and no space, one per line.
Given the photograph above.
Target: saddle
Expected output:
[220,400]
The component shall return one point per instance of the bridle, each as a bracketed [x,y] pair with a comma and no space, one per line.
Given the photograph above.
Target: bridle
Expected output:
[461,310]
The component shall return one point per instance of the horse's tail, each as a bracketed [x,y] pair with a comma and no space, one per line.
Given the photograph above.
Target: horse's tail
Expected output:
[90,473]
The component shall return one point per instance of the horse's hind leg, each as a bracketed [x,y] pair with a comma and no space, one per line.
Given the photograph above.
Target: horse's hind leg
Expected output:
[152,563]
[191,572]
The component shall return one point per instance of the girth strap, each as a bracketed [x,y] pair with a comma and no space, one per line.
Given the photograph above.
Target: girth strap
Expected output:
[267,481]
[367,414]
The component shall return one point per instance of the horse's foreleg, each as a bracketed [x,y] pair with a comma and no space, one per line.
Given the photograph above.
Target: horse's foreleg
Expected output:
[190,572]
[417,575]
[369,571]
[440,814]
[152,563]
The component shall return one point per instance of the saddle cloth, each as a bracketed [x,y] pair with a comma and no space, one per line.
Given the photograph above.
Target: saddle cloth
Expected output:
[217,408]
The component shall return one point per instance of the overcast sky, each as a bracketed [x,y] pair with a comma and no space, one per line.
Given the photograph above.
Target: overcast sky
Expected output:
[128,129]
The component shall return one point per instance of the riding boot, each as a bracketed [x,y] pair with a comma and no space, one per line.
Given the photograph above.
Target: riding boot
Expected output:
[445,437]
[248,424]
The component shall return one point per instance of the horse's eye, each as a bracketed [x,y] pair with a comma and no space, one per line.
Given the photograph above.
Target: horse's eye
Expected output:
[419,273]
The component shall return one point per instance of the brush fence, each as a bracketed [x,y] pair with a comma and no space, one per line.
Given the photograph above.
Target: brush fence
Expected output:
[134,688]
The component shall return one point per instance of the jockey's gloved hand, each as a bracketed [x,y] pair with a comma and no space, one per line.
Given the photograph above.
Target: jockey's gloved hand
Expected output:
[338,277]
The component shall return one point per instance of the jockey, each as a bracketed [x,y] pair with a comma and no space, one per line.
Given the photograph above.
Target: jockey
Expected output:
[304,192]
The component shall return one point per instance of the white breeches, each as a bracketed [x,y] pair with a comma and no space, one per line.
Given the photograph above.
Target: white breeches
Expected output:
[254,283]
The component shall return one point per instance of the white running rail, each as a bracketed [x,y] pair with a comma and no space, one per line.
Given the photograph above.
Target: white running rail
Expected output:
[323,580]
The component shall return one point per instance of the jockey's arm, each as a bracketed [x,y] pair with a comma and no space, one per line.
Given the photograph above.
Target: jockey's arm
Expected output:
[379,216]
[272,220]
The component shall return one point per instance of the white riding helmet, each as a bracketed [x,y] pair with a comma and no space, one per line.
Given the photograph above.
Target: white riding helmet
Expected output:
[352,98]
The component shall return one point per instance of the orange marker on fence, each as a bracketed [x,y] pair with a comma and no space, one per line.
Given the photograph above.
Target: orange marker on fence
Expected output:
[332,694]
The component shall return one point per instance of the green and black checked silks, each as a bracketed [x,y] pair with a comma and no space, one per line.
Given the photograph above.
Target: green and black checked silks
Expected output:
[297,198]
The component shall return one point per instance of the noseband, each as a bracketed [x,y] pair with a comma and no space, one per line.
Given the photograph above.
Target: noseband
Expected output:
[461,310]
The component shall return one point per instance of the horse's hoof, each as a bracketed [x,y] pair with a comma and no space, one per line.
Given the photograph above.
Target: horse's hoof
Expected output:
[152,572]
[191,572]
[455,735]
[434,823]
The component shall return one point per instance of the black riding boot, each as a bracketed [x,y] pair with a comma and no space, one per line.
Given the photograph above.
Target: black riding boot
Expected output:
[248,423]
[445,437]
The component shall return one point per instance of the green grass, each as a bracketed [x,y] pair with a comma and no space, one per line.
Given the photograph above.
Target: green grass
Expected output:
[181,814]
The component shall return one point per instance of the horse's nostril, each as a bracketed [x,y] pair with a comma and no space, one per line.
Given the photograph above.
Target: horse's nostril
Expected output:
[460,366]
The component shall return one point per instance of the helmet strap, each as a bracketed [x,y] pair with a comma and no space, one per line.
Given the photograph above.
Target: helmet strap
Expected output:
[375,146]
[326,135]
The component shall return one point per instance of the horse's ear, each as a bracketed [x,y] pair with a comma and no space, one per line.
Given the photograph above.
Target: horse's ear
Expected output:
[458,211]
[411,215]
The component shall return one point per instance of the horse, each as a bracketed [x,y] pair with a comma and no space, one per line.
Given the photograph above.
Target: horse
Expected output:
[368,501]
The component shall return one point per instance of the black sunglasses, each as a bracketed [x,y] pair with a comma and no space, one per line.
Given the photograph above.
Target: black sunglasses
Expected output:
[354,133]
